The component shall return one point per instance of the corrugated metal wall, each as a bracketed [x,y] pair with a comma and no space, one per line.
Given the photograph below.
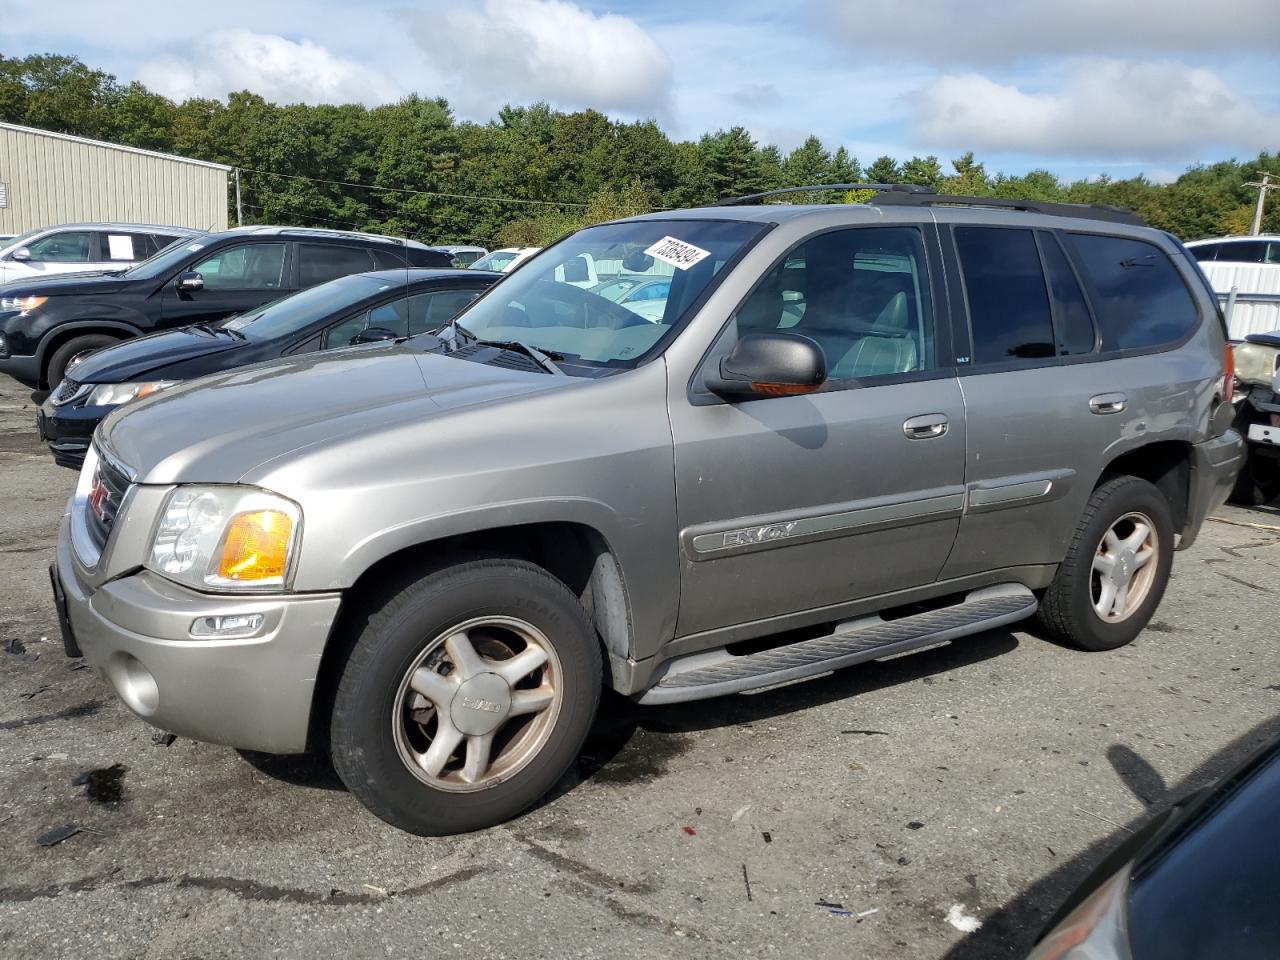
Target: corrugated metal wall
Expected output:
[1257,303]
[51,180]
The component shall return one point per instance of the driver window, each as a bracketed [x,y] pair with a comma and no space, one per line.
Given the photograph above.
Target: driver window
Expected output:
[861,294]
[67,247]
[250,266]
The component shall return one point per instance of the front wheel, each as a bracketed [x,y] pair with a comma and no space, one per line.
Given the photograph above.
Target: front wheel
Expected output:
[1116,568]
[465,697]
[65,358]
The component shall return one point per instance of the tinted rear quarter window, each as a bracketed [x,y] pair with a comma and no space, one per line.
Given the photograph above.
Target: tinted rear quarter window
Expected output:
[319,263]
[1074,322]
[1242,251]
[1138,295]
[1205,252]
[1008,303]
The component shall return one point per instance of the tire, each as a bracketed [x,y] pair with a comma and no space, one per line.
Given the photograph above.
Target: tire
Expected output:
[71,350]
[1068,611]
[381,729]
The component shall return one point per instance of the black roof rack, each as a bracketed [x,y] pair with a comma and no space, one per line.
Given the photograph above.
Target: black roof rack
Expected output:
[916,195]
[1083,211]
[906,188]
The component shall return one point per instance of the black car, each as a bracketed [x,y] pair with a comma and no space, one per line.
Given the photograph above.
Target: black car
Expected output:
[1199,881]
[47,323]
[358,308]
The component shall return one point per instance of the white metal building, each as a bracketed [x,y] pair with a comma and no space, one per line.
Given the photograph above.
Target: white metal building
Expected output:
[50,178]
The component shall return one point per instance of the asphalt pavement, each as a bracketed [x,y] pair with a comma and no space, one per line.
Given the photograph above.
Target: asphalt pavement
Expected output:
[874,812]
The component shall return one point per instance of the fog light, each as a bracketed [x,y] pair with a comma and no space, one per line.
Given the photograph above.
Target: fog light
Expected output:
[4,346]
[230,625]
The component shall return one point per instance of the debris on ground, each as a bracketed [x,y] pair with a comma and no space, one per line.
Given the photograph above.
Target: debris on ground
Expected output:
[768,837]
[34,693]
[915,825]
[162,739]
[690,831]
[869,733]
[855,765]
[867,913]
[747,881]
[964,922]
[739,813]
[18,650]
[77,665]
[824,902]
[55,836]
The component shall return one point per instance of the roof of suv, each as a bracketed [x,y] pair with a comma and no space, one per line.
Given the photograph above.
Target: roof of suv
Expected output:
[105,225]
[320,234]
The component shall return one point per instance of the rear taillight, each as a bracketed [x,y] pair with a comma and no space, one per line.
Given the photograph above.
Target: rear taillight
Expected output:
[1228,373]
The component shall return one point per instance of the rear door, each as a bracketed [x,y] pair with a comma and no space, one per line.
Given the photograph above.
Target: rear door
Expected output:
[236,278]
[798,503]
[117,249]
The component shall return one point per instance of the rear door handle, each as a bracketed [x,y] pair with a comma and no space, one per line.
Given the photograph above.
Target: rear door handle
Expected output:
[926,427]
[1105,403]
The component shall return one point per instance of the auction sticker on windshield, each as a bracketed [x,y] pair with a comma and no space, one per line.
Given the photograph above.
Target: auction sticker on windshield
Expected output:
[679,254]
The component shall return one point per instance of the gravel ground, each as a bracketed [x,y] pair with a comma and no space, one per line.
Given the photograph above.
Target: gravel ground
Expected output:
[981,780]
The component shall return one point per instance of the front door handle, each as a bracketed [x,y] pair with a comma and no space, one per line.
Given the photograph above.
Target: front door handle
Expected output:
[926,427]
[1105,403]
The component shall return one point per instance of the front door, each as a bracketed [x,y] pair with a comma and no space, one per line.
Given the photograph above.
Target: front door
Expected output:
[791,504]
[236,278]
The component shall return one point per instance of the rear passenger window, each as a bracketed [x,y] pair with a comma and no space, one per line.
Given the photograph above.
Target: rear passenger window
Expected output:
[1008,304]
[1137,293]
[1205,252]
[1072,319]
[320,263]
[862,295]
[1242,251]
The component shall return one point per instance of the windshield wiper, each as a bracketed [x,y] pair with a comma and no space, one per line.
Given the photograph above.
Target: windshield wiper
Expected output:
[544,358]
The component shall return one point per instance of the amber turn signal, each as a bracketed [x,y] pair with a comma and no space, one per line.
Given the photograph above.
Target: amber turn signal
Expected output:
[256,546]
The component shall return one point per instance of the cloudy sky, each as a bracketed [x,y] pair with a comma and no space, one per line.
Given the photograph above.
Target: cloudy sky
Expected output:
[1083,87]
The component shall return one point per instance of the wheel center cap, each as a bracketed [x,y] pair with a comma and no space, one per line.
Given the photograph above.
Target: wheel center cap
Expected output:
[481,704]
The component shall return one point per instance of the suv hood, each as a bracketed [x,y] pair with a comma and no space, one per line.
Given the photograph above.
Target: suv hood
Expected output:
[65,284]
[132,359]
[219,428]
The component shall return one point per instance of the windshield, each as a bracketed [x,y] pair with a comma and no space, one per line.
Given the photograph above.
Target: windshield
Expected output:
[494,261]
[170,258]
[20,239]
[290,314]
[544,303]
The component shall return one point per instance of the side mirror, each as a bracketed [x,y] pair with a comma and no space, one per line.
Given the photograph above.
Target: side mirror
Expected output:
[375,335]
[22,253]
[189,281]
[770,365]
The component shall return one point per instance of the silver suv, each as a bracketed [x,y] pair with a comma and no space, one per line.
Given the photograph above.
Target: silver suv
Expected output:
[853,430]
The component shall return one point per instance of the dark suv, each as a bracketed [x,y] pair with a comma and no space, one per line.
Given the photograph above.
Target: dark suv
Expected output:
[48,324]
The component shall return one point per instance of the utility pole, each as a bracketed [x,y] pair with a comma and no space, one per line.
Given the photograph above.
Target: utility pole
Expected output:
[239,211]
[1266,184]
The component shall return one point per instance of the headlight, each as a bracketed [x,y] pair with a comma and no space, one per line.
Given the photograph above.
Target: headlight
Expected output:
[114,394]
[226,538]
[21,304]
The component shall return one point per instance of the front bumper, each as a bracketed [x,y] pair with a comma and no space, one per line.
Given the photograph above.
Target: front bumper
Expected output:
[1214,466]
[68,430]
[253,693]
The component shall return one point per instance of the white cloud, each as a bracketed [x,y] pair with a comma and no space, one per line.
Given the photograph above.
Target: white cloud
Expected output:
[1102,108]
[280,70]
[950,32]
[523,50]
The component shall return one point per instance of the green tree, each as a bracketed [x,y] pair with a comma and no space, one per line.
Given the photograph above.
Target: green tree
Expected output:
[924,171]
[884,170]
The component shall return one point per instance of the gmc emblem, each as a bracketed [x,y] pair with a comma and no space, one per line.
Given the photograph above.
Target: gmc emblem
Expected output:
[99,497]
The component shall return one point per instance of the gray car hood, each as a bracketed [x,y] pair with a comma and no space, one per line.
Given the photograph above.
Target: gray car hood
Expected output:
[219,428]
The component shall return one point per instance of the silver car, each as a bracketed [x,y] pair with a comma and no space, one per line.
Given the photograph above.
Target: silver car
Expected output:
[856,430]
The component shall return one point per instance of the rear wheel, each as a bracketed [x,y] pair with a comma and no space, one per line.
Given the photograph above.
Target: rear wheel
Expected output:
[466,696]
[67,355]
[1116,568]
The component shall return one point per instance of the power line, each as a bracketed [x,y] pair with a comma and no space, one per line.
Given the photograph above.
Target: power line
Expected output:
[362,228]
[417,193]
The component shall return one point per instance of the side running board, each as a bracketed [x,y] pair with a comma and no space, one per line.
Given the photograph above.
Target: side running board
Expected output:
[717,672]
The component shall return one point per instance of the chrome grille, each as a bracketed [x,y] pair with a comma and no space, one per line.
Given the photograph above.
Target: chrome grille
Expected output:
[65,392]
[106,494]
